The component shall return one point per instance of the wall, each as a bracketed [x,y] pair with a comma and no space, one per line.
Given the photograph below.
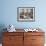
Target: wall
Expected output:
[9,13]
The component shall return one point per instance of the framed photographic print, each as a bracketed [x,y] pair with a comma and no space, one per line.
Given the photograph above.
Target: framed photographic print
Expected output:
[26,14]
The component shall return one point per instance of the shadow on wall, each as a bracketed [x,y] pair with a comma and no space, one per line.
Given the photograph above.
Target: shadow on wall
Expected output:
[2,26]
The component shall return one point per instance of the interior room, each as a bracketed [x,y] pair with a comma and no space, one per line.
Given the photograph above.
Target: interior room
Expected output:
[24,16]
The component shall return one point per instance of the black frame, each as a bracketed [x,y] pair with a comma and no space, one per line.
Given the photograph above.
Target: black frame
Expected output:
[18,16]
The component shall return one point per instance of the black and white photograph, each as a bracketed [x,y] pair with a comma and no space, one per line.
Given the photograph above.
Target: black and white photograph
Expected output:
[26,14]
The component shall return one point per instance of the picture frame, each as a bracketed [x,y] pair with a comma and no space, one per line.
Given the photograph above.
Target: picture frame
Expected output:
[26,14]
